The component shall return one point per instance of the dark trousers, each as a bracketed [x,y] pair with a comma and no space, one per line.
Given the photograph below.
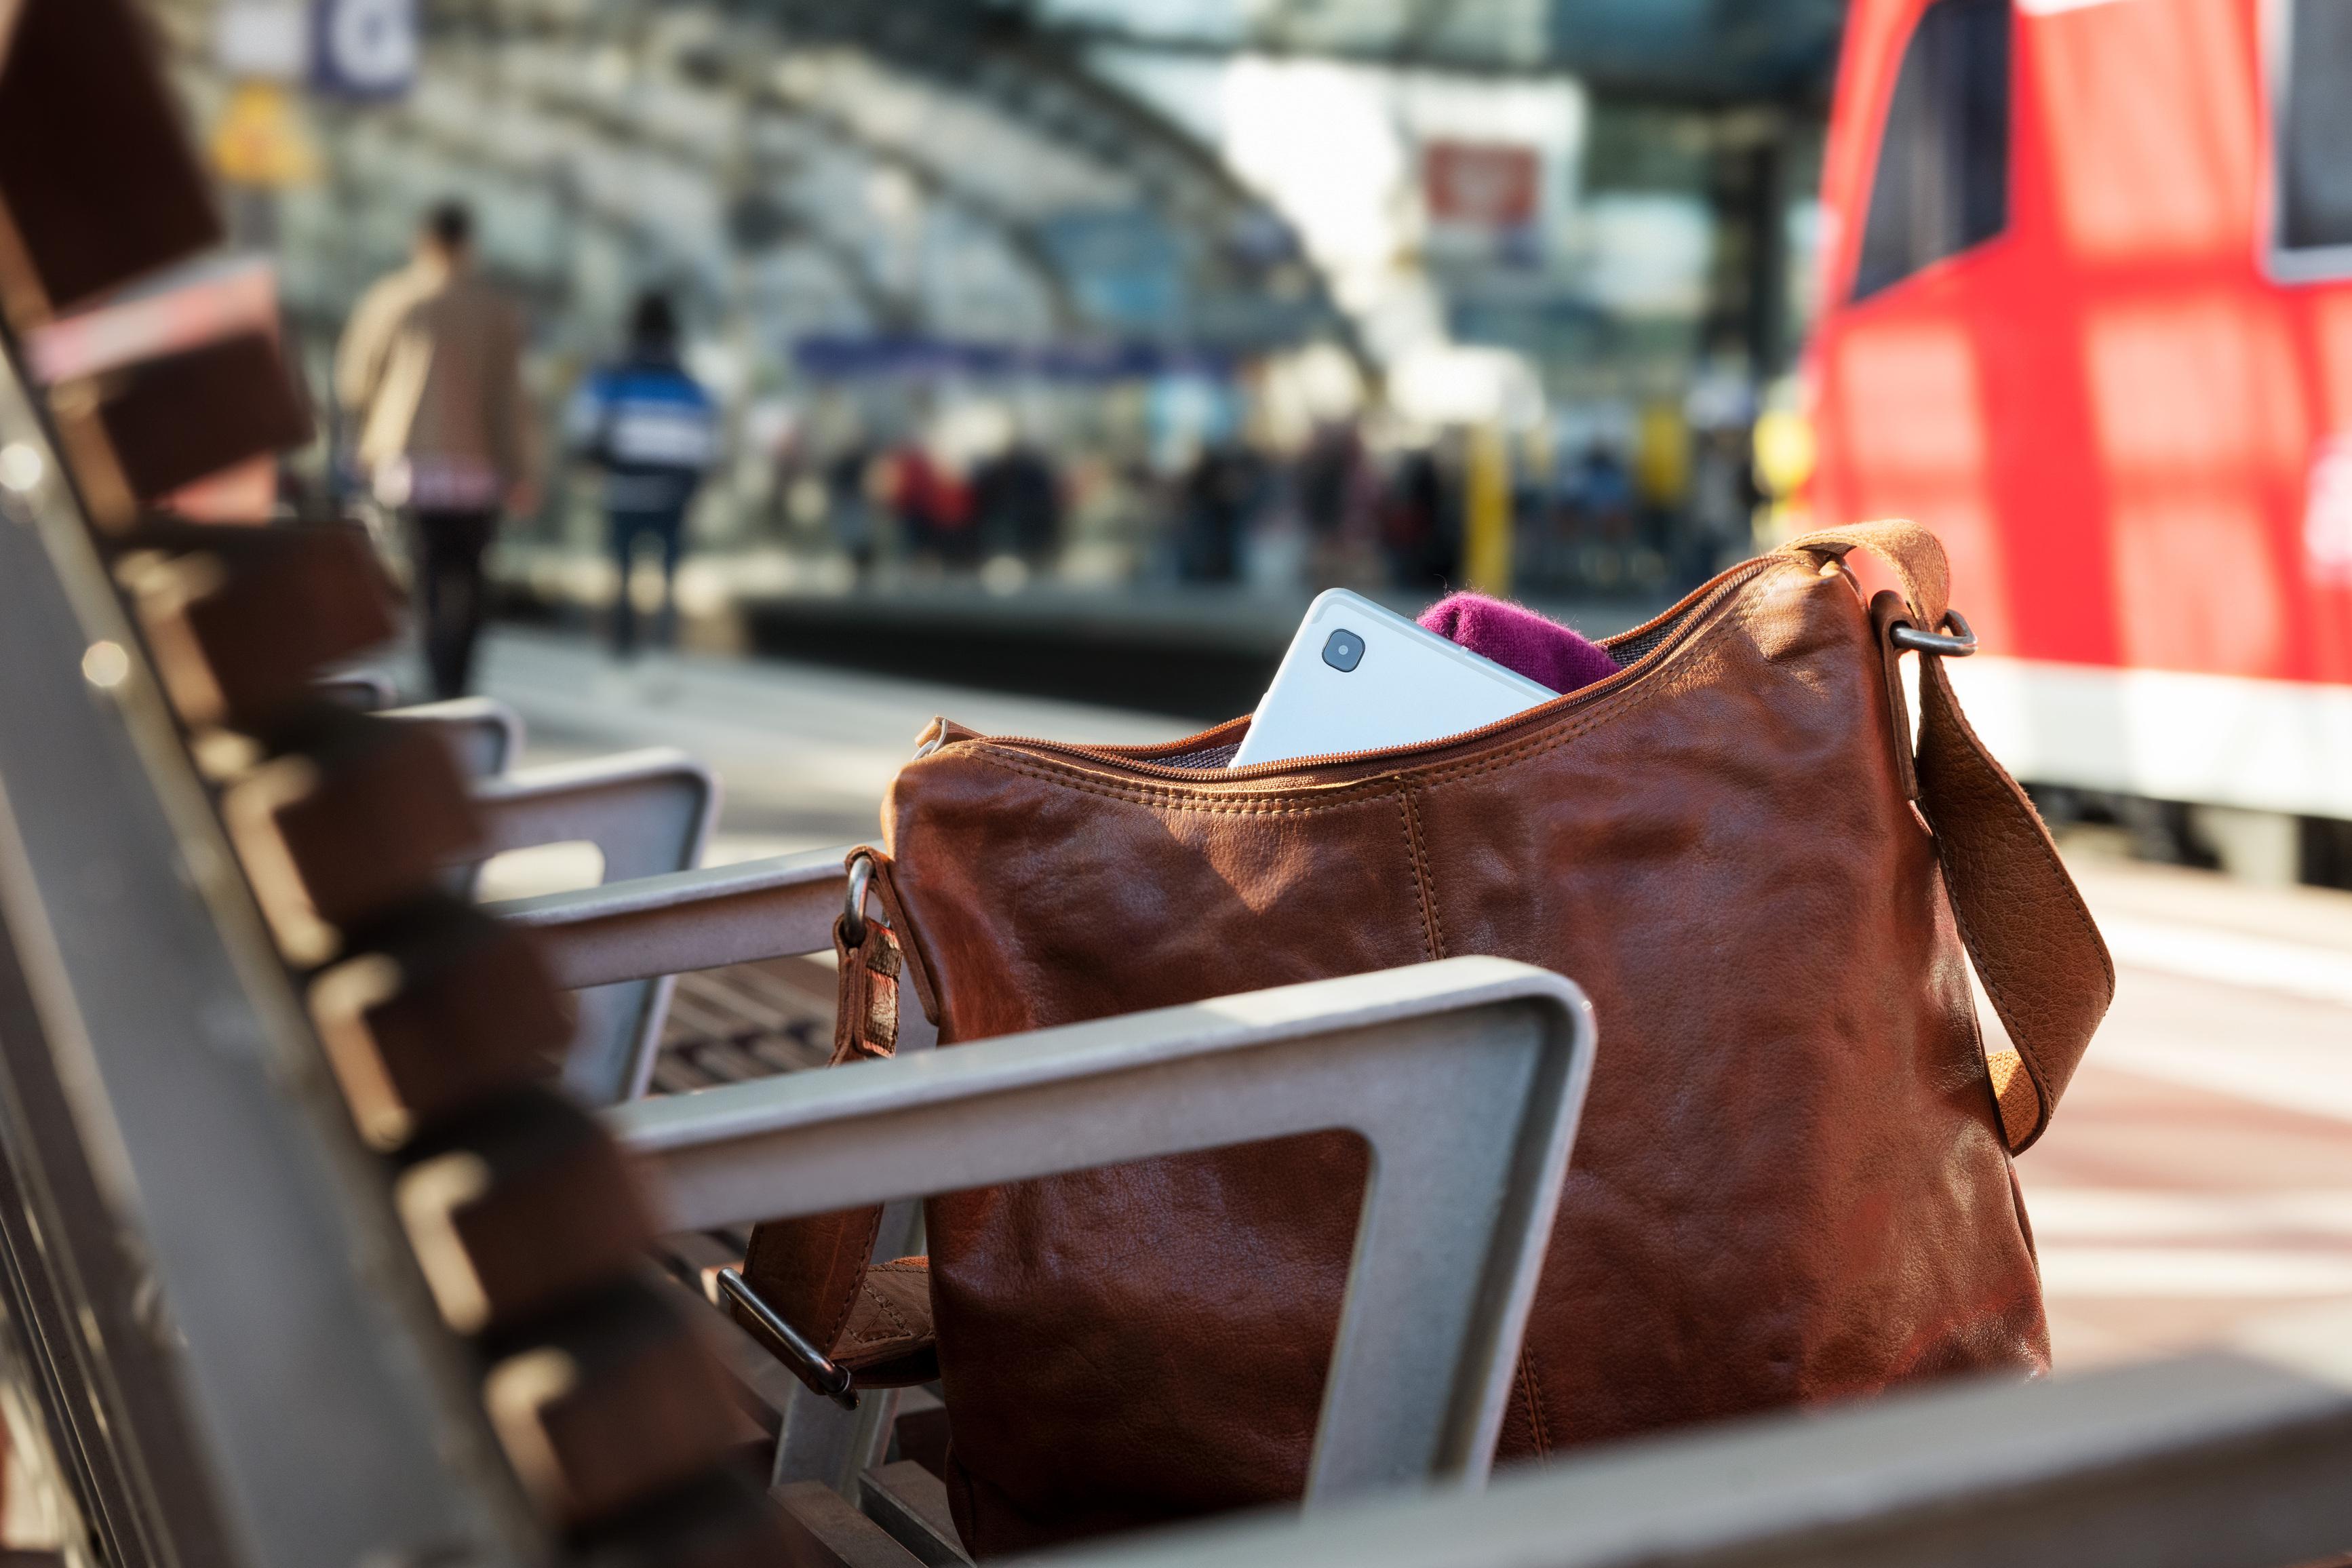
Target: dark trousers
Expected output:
[447,549]
[666,527]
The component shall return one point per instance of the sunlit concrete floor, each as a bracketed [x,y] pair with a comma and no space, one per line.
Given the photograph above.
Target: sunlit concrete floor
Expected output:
[2196,1186]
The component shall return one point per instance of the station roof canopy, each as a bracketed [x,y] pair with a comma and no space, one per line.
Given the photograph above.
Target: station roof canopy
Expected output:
[828,154]
[1718,51]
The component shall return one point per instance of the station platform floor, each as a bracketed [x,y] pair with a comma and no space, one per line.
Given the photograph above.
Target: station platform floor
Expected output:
[2195,1189]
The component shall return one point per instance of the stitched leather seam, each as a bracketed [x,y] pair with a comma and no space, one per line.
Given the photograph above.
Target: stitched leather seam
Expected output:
[910,952]
[1180,798]
[1417,864]
[899,1327]
[839,1320]
[1534,1405]
[1366,794]
[1425,875]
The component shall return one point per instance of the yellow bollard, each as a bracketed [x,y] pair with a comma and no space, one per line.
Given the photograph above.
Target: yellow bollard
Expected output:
[1486,513]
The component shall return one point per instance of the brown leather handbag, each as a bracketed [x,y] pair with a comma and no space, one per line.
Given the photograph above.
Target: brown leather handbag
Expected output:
[1793,1179]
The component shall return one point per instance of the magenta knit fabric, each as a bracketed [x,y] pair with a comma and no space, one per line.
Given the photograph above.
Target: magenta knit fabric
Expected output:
[1519,639]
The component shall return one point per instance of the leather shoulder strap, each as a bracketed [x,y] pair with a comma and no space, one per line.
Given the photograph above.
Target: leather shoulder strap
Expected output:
[2033,940]
[815,1271]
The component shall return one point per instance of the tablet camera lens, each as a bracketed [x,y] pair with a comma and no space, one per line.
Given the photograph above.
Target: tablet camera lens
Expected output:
[1344,651]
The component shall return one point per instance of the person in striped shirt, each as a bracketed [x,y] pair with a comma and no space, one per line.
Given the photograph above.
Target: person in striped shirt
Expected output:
[654,432]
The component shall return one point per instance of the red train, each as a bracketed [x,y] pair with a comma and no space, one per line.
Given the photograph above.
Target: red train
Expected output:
[2088,287]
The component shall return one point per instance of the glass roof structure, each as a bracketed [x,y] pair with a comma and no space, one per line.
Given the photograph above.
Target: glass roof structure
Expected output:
[1202,256]
[984,168]
[1693,50]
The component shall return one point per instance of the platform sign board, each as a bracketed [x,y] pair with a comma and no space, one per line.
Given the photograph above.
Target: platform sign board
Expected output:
[1483,185]
[363,49]
[262,40]
[1484,201]
[1125,266]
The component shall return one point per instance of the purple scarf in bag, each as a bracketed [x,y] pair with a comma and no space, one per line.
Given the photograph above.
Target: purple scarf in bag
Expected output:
[1519,640]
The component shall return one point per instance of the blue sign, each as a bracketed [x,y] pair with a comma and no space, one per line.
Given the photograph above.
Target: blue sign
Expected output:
[1125,267]
[363,49]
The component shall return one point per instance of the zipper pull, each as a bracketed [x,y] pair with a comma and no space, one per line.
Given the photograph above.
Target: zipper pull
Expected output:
[941,731]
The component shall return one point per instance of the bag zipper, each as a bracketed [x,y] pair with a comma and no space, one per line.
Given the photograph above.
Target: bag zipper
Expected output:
[1678,624]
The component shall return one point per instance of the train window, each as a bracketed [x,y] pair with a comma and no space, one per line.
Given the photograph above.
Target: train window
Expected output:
[1942,184]
[2315,128]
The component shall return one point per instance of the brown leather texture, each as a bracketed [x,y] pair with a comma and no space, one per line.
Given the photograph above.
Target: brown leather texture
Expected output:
[810,1272]
[1792,1182]
[887,1341]
[865,1019]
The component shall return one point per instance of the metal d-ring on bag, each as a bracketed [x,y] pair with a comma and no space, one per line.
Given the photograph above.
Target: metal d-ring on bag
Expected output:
[1792,1182]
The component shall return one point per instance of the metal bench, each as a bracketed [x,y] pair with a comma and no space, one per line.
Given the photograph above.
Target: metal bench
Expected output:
[647,812]
[767,909]
[734,937]
[368,690]
[1464,1077]
[775,906]
[731,918]
[2210,1461]
[216,1312]
[483,733]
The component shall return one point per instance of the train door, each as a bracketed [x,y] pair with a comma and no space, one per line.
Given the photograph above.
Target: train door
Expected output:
[2089,315]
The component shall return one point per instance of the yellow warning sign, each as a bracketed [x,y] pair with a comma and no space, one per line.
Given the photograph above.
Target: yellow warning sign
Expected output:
[261,141]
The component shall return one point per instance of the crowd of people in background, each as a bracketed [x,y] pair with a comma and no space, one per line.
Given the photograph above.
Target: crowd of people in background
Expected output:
[1337,510]
[440,434]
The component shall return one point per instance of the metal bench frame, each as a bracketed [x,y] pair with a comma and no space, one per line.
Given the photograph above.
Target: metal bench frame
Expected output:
[1464,1077]
[483,733]
[774,908]
[648,812]
[2210,1461]
[233,1355]
[777,907]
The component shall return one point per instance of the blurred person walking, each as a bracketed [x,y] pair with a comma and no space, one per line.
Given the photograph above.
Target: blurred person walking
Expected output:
[430,374]
[1221,495]
[1421,524]
[654,432]
[1016,505]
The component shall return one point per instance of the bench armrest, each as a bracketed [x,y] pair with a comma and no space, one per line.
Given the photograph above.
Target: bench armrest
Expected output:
[1464,1077]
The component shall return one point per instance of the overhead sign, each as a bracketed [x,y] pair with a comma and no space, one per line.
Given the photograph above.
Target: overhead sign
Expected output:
[365,48]
[263,40]
[1481,184]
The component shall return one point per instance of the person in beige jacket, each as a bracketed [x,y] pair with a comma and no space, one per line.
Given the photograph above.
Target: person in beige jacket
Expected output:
[429,375]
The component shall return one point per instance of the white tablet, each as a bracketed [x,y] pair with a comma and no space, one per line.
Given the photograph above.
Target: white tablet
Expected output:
[1357,678]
